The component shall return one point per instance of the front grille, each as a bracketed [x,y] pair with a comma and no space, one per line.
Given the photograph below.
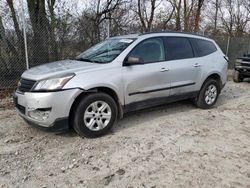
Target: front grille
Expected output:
[20,108]
[25,85]
[245,64]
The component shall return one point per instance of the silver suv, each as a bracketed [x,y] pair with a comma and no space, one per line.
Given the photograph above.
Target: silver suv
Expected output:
[119,75]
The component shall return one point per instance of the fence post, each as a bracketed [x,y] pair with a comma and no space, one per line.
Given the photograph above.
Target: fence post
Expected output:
[248,52]
[25,36]
[108,28]
[228,44]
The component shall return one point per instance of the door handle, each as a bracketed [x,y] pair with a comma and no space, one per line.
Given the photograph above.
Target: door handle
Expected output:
[197,65]
[163,69]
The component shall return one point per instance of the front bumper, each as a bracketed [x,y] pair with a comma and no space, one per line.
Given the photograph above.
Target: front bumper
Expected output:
[47,110]
[244,70]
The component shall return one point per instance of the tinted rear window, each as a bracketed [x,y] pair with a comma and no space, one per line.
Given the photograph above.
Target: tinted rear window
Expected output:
[178,48]
[203,47]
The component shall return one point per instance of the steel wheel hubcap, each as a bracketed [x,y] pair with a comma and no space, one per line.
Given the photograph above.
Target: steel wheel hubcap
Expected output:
[97,115]
[210,94]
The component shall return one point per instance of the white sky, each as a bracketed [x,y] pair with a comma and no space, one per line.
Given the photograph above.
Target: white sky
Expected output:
[75,7]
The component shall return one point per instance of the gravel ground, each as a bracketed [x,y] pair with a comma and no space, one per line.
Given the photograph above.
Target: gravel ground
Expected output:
[175,145]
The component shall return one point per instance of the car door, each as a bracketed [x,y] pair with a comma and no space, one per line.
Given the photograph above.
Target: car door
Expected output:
[149,79]
[184,68]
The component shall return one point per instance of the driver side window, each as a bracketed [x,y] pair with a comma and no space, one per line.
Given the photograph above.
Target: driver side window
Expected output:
[150,50]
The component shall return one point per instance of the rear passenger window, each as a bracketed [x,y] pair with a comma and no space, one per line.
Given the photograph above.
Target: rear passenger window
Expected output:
[178,48]
[203,47]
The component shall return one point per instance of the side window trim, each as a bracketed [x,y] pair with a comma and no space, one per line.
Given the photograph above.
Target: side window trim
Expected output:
[194,47]
[194,52]
[158,37]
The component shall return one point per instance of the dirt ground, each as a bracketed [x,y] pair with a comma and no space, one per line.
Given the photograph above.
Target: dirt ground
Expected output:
[175,145]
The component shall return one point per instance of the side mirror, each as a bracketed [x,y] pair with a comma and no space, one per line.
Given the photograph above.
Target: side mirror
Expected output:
[133,61]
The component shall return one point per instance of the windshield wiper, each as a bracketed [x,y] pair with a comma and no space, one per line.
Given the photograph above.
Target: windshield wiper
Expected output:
[88,60]
[85,59]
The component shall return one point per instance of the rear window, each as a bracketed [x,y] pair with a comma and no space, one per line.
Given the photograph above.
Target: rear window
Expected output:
[203,47]
[178,48]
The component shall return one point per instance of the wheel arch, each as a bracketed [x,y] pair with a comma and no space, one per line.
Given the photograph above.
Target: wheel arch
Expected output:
[215,76]
[106,90]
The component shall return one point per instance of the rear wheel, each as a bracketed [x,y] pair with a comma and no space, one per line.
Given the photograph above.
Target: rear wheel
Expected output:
[208,94]
[94,115]
[237,77]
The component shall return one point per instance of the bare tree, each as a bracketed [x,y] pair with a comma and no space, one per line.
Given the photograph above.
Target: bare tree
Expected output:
[163,16]
[5,49]
[68,35]
[241,16]
[212,13]
[177,14]
[235,16]
[14,18]
[91,19]
[52,27]
[198,15]
[145,19]
[188,10]
[20,48]
[216,8]
[39,23]
[227,17]
[122,19]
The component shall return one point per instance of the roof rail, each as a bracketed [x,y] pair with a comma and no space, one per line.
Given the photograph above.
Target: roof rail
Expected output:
[169,31]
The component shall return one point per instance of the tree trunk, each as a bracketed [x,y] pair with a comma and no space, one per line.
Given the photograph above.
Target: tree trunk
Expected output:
[20,61]
[4,50]
[216,16]
[141,15]
[178,16]
[186,18]
[150,21]
[197,16]
[54,55]
[39,24]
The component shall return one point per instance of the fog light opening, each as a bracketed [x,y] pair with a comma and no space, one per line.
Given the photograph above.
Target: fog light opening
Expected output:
[40,114]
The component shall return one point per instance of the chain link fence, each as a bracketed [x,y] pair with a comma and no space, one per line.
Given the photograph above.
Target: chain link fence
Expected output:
[59,40]
[44,44]
[233,47]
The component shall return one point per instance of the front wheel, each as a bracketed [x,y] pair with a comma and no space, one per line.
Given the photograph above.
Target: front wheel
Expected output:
[208,94]
[94,115]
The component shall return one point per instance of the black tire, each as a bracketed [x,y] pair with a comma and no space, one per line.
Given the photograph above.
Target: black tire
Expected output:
[237,77]
[200,99]
[78,122]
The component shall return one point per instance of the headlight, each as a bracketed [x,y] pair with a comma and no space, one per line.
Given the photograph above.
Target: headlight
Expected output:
[53,83]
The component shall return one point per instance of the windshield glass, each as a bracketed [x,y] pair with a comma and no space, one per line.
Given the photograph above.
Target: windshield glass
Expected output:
[105,51]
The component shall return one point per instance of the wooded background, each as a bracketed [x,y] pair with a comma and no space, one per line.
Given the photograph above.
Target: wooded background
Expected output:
[58,29]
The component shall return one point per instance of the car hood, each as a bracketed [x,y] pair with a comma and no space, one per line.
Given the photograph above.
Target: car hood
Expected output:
[58,68]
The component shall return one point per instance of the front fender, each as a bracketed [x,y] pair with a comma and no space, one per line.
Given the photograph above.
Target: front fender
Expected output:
[109,78]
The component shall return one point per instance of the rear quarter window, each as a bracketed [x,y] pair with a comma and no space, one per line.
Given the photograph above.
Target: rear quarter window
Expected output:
[203,47]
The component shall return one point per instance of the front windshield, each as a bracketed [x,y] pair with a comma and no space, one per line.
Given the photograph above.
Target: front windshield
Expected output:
[105,51]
